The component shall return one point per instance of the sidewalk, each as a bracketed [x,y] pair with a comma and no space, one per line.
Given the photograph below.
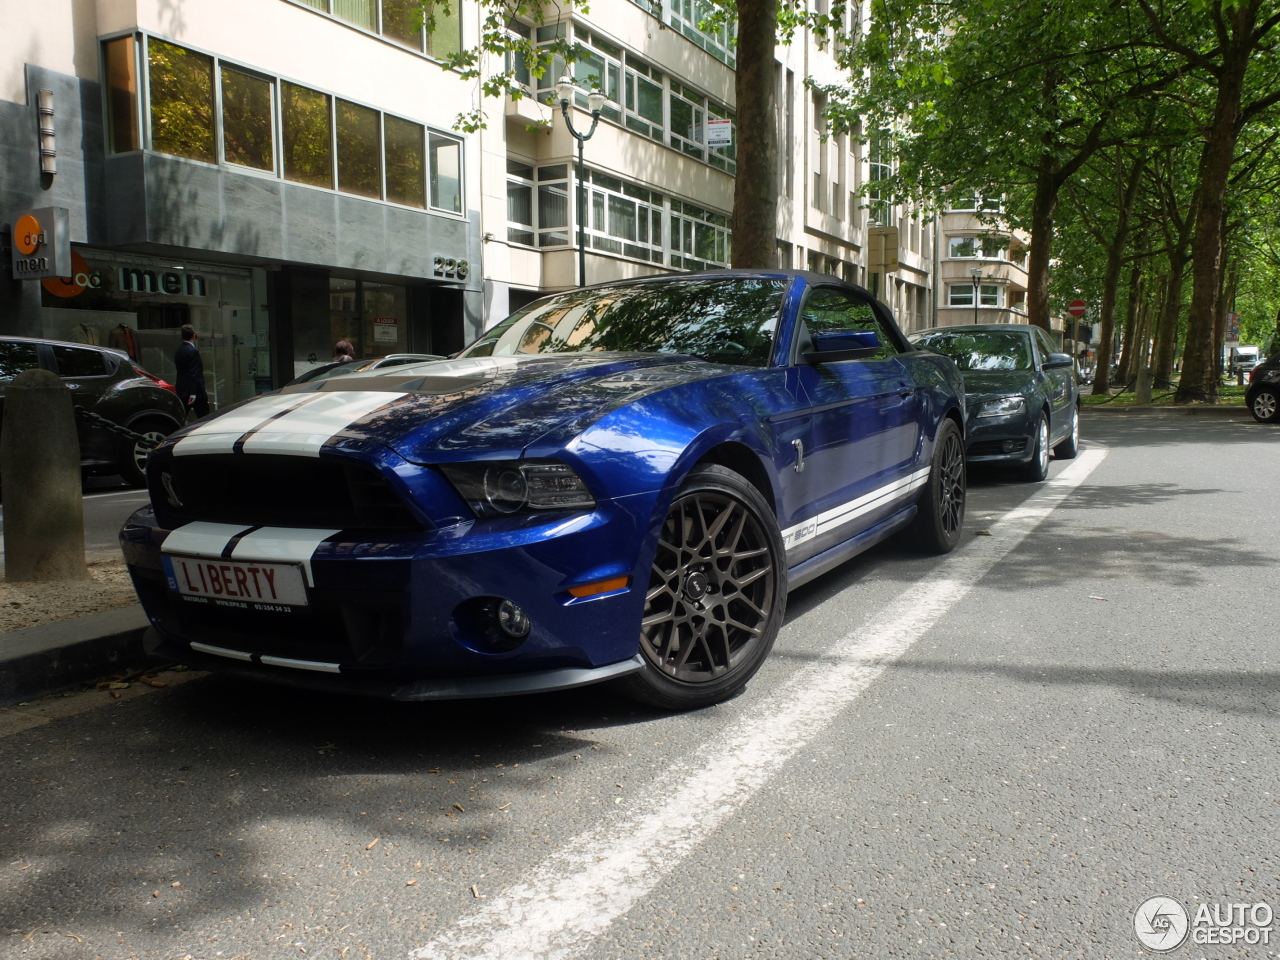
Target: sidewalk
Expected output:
[55,656]
[1215,410]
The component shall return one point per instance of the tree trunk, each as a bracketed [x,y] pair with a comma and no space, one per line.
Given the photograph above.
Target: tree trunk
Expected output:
[1200,367]
[1043,209]
[755,193]
[1167,332]
[1133,320]
[1128,192]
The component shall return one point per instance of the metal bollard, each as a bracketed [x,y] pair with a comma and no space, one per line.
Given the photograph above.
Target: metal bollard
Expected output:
[40,477]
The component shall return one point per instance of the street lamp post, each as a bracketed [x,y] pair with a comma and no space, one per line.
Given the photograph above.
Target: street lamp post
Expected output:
[596,100]
[977,275]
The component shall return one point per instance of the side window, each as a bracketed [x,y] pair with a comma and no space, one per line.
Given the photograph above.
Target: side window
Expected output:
[15,357]
[827,310]
[1046,347]
[77,362]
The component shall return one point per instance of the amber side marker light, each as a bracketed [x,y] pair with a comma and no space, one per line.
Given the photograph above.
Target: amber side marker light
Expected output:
[599,587]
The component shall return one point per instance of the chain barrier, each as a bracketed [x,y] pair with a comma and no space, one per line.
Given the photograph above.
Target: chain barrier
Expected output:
[139,439]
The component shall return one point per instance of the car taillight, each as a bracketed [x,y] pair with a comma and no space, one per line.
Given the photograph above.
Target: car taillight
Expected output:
[152,377]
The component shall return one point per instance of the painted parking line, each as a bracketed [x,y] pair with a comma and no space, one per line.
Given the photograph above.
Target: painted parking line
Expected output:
[573,896]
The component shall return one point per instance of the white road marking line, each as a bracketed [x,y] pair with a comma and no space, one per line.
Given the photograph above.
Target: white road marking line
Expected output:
[574,895]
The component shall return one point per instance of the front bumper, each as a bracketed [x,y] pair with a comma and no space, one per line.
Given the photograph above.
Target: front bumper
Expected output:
[403,616]
[1000,439]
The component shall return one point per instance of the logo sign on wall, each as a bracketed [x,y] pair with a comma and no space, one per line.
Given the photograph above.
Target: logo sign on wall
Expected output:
[42,244]
[80,280]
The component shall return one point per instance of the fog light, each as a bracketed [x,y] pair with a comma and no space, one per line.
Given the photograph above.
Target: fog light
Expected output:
[512,620]
[1008,446]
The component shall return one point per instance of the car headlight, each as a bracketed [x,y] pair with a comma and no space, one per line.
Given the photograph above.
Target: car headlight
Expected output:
[499,488]
[1004,407]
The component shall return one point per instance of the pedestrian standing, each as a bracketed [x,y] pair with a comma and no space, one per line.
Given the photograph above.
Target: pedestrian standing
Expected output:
[190,384]
[343,352]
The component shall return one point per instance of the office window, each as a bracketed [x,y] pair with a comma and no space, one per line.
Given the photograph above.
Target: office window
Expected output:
[699,239]
[880,169]
[725,158]
[363,13]
[553,205]
[246,120]
[520,218]
[960,295]
[307,127]
[600,69]
[122,94]
[445,37]
[402,22]
[993,248]
[687,117]
[181,94]
[989,295]
[962,247]
[516,64]
[359,150]
[644,98]
[446,173]
[687,16]
[624,219]
[406,161]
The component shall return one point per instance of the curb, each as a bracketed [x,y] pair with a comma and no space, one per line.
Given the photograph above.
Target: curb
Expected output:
[54,656]
[1171,410]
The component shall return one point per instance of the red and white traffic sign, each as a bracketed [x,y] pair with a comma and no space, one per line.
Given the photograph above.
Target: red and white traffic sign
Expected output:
[1077,308]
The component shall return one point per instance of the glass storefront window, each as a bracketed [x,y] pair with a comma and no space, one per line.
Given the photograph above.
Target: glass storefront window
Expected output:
[406,161]
[446,173]
[359,150]
[308,147]
[385,319]
[122,94]
[181,93]
[246,120]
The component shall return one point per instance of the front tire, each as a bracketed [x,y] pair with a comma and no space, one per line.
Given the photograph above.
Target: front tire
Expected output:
[133,456]
[940,510]
[716,594]
[1265,406]
[1037,468]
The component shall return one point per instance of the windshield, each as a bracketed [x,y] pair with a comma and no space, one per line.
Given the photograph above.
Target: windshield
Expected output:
[729,320]
[982,349]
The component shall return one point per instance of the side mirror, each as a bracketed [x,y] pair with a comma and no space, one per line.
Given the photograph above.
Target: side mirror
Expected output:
[836,345]
[1055,360]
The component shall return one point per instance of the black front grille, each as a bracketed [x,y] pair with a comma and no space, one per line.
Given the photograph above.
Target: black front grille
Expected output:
[279,491]
[350,627]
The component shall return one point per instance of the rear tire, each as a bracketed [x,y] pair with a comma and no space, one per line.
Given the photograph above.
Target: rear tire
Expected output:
[940,510]
[1069,447]
[133,456]
[1037,468]
[715,597]
[1265,406]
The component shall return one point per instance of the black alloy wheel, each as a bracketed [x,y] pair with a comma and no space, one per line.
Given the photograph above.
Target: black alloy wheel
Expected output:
[716,594]
[940,510]
[1265,406]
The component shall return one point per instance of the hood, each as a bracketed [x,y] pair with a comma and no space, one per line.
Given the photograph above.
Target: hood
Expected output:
[444,410]
[985,384]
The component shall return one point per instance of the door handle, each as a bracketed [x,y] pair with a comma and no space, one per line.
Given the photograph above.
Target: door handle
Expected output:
[799,448]
[905,391]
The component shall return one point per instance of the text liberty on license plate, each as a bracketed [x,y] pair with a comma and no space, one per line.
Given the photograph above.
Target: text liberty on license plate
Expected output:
[237,583]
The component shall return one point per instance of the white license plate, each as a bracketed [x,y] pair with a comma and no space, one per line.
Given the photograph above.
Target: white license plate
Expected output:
[237,583]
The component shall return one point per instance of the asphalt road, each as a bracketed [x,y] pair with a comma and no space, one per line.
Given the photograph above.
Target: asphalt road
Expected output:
[108,501]
[1002,752]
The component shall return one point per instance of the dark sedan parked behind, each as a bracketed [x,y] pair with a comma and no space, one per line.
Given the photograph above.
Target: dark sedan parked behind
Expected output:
[1021,394]
[108,383]
[1263,396]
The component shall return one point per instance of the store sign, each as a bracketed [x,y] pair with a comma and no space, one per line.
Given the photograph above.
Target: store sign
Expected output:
[386,330]
[81,279]
[42,244]
[170,282]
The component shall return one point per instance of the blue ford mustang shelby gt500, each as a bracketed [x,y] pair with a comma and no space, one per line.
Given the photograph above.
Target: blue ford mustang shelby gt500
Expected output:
[618,482]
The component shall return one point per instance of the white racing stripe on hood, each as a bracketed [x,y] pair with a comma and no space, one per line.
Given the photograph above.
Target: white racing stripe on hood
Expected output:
[202,539]
[302,432]
[282,545]
[220,435]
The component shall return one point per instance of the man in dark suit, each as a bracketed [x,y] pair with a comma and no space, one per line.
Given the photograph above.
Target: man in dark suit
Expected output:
[190,383]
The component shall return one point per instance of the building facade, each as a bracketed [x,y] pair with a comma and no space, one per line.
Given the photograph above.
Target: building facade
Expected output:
[982,265]
[284,174]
